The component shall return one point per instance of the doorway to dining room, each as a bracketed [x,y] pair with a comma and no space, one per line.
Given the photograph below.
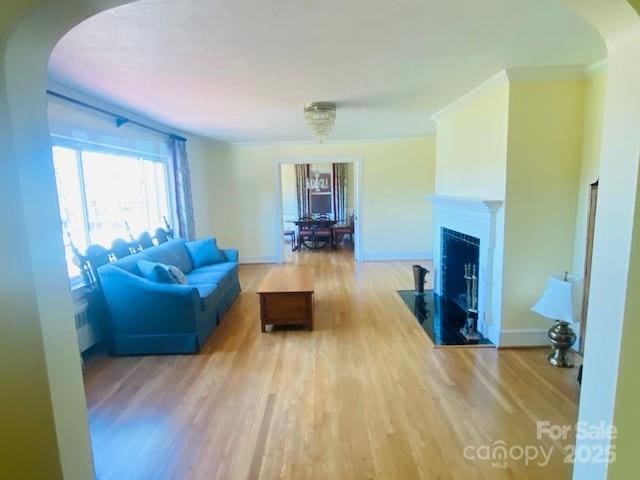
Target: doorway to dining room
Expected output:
[319,205]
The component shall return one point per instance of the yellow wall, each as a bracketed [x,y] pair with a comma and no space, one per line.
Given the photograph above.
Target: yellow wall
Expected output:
[595,86]
[543,164]
[200,152]
[25,405]
[26,411]
[43,407]
[24,140]
[626,416]
[472,144]
[396,218]
[519,141]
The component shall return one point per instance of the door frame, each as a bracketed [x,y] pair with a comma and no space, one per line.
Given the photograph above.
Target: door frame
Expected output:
[591,224]
[358,164]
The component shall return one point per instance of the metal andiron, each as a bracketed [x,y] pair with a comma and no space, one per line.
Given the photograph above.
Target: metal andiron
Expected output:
[470,329]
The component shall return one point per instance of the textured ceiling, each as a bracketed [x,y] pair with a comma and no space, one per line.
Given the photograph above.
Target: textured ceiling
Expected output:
[242,70]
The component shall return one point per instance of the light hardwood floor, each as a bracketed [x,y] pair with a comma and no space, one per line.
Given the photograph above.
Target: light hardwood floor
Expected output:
[365,395]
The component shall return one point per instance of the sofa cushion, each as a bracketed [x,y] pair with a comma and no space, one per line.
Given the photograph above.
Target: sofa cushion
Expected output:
[218,267]
[198,278]
[172,252]
[130,264]
[205,252]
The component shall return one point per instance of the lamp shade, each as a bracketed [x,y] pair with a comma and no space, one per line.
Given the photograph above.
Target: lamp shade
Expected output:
[560,300]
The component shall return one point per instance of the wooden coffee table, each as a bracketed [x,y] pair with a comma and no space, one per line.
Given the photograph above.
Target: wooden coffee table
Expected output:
[286,297]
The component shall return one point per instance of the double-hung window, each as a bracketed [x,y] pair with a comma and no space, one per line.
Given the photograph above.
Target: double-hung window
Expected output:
[101,191]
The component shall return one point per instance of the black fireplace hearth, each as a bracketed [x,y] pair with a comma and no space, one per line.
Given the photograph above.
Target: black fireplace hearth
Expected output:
[450,318]
[441,319]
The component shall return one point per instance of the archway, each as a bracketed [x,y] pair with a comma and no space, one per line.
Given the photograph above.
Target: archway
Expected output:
[46,435]
[45,397]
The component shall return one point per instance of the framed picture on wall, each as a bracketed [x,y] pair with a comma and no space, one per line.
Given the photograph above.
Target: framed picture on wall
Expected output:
[324,183]
[321,203]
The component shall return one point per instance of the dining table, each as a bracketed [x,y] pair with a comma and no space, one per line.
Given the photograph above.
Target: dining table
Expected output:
[312,240]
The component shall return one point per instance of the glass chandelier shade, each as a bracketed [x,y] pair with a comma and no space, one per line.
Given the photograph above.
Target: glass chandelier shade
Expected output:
[321,117]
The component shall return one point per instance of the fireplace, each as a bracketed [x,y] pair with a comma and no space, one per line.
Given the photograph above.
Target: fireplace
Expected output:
[460,257]
[469,231]
[448,315]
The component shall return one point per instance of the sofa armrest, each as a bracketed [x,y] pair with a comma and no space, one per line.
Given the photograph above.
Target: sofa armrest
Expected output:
[139,306]
[231,254]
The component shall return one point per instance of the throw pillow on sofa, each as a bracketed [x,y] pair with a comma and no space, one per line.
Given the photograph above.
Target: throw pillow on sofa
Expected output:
[159,272]
[177,274]
[205,252]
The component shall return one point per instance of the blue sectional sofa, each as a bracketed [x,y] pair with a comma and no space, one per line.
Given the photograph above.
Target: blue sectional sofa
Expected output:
[148,317]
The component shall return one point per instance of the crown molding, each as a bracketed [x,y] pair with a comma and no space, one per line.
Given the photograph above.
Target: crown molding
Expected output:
[308,143]
[516,75]
[493,81]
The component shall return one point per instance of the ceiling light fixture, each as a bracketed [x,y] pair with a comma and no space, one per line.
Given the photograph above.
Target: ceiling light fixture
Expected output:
[321,117]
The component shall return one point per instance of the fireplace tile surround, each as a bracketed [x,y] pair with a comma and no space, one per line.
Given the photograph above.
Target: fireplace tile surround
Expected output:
[458,250]
[483,220]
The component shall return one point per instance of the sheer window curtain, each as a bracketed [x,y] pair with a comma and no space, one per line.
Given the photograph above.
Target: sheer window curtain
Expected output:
[302,171]
[181,185]
[340,186]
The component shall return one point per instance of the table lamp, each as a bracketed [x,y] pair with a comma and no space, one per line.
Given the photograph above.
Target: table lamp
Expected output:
[560,302]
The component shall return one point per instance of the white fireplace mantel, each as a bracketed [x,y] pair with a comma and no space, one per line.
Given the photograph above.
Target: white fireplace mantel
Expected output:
[467,203]
[483,219]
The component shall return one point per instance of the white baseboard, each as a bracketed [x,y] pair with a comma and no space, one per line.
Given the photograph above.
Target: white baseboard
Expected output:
[265,259]
[396,256]
[528,337]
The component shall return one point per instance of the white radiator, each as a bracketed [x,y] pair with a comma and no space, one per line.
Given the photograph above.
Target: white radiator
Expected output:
[88,333]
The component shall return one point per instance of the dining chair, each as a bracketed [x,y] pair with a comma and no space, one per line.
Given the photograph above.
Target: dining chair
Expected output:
[342,230]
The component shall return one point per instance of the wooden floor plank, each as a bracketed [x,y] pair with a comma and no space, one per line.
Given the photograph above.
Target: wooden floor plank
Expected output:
[365,395]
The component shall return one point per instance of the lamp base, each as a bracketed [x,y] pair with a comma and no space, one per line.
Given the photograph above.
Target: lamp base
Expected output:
[562,338]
